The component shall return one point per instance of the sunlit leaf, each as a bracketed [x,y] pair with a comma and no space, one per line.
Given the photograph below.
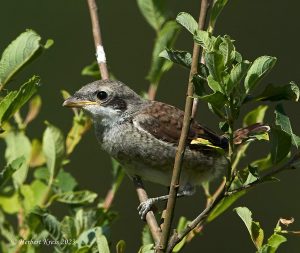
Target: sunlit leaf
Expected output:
[19,52]
[154,12]
[10,204]
[216,10]
[91,70]
[9,170]
[276,93]
[215,64]
[188,22]
[16,99]
[120,247]
[18,145]
[79,197]
[34,108]
[255,116]
[237,74]
[260,67]
[54,149]
[81,124]
[64,181]
[102,243]
[165,39]
[182,58]
[37,157]
[254,229]
[224,204]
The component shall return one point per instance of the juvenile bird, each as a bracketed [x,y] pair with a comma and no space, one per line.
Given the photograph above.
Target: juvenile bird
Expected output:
[143,136]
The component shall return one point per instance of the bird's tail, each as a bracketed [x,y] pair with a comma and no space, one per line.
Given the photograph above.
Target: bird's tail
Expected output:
[247,133]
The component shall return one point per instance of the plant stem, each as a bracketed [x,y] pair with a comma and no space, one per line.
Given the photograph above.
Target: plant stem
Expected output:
[150,218]
[202,217]
[182,142]
[101,59]
[205,5]
[152,91]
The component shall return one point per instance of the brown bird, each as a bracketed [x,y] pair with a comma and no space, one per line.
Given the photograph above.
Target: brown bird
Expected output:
[143,136]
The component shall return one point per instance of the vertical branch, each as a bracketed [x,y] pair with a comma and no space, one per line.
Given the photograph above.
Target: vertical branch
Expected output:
[182,141]
[205,5]
[101,58]
[150,218]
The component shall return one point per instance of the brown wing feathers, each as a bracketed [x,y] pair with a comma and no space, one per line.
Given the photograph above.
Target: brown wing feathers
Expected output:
[165,123]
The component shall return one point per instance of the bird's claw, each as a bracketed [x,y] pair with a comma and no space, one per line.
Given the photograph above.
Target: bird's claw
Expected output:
[145,207]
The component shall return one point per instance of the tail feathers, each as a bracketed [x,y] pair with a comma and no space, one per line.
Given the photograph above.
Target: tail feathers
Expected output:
[243,134]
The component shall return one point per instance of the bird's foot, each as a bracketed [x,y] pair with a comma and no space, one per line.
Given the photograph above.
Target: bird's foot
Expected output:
[145,207]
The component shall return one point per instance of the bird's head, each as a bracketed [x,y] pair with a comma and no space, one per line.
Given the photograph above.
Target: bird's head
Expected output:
[105,99]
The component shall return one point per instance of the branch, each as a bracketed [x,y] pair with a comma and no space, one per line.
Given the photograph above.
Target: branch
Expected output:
[202,217]
[101,59]
[150,218]
[205,5]
[182,141]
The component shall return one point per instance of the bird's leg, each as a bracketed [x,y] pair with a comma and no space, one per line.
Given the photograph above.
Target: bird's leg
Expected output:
[144,207]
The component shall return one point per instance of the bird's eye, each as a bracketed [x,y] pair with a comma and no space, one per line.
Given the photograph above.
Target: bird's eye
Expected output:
[102,95]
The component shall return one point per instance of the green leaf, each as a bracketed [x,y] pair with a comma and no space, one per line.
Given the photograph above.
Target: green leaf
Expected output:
[79,197]
[263,163]
[182,58]
[165,39]
[188,22]
[275,241]
[10,204]
[18,145]
[182,223]
[254,229]
[224,204]
[216,10]
[121,245]
[64,181]
[283,121]
[81,124]
[19,52]
[204,39]
[154,11]
[147,249]
[257,115]
[213,84]
[91,70]
[16,99]
[68,227]
[215,64]
[281,143]
[226,48]
[54,149]
[146,236]
[258,70]
[88,237]
[9,170]
[237,74]
[216,99]
[276,93]
[102,243]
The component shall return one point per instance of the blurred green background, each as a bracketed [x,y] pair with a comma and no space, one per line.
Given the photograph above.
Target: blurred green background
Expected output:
[259,27]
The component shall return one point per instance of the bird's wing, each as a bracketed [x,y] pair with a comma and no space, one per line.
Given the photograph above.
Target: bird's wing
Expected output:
[165,122]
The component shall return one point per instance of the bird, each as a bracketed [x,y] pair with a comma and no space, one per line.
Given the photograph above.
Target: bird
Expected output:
[142,135]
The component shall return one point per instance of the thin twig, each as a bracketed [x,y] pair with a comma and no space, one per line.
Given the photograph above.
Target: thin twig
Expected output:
[182,144]
[205,5]
[201,218]
[152,91]
[150,218]
[101,59]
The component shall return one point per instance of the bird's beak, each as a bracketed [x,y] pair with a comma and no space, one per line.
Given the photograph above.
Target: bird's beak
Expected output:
[76,102]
